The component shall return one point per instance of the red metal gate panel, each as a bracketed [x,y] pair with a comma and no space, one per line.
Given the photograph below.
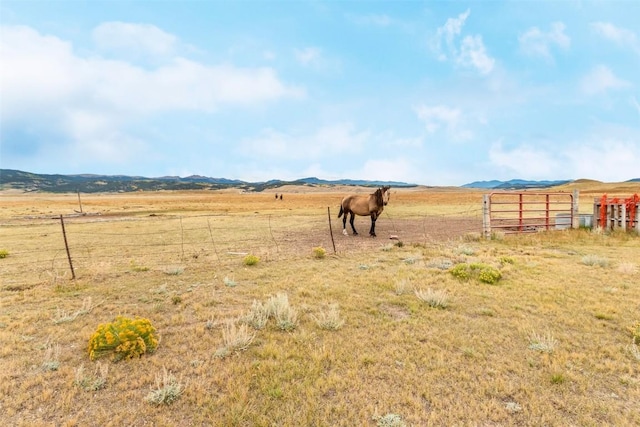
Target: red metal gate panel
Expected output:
[526,212]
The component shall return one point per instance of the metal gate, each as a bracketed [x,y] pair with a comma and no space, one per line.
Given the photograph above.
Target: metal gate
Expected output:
[528,212]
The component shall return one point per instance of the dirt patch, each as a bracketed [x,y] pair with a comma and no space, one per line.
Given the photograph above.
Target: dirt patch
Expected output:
[423,230]
[397,313]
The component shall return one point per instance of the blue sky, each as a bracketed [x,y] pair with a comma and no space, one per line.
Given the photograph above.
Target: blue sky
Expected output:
[433,93]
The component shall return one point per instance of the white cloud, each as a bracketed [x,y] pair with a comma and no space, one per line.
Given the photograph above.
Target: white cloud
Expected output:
[42,72]
[635,104]
[308,55]
[470,52]
[396,169]
[609,159]
[535,42]
[621,36]
[525,161]
[442,117]
[377,20]
[473,54]
[134,38]
[600,80]
[325,142]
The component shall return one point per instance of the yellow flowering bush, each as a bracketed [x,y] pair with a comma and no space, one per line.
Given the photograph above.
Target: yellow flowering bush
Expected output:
[124,338]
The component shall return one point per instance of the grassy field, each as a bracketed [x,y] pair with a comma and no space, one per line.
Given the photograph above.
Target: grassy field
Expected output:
[382,333]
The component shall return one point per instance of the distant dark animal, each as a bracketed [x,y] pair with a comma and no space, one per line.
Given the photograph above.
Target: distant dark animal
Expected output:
[370,205]
[281,197]
[276,196]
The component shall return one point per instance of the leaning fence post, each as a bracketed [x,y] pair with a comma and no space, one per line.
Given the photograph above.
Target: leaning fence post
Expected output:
[331,230]
[66,245]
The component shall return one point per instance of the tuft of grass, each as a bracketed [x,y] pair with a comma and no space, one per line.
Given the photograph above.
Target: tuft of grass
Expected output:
[402,286]
[434,298]
[51,357]
[595,260]
[63,316]
[319,252]
[235,338]
[635,332]
[627,268]
[250,260]
[389,420]
[557,378]
[329,320]
[4,253]
[257,316]
[93,382]
[137,268]
[229,282]
[174,271]
[465,250]
[544,343]
[440,264]
[512,407]
[635,351]
[279,308]
[167,390]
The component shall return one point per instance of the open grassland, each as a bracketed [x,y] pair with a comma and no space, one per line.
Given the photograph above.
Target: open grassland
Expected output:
[380,332]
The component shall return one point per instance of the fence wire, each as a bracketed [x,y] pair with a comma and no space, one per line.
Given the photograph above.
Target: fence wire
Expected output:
[119,245]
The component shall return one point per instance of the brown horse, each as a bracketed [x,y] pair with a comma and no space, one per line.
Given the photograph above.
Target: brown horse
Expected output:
[370,205]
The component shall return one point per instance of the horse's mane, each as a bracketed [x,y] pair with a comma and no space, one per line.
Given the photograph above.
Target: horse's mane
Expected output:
[378,194]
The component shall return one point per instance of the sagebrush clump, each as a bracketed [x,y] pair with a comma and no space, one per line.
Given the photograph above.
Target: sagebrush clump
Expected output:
[482,272]
[319,252]
[124,338]
[251,260]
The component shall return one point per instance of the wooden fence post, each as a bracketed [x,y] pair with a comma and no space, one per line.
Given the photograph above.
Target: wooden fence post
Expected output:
[331,230]
[575,216]
[66,245]
[486,218]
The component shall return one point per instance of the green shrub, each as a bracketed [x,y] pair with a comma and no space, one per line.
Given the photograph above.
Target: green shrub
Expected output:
[483,272]
[489,275]
[4,253]
[319,252]
[251,260]
[461,271]
[124,338]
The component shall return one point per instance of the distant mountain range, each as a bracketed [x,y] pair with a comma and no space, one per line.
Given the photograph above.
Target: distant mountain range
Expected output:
[88,183]
[521,184]
[514,184]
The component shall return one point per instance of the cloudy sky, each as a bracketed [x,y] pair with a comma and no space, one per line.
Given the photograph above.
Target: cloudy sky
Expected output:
[434,93]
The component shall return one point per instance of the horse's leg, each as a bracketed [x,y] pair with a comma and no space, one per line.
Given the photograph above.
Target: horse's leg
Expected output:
[372,232]
[344,221]
[355,233]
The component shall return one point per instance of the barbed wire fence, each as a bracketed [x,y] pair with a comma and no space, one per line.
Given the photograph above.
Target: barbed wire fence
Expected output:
[100,246]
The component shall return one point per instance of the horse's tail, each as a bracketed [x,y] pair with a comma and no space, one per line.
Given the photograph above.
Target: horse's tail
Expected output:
[341,211]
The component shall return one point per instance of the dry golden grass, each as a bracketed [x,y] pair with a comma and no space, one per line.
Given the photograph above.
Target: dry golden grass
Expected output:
[468,364]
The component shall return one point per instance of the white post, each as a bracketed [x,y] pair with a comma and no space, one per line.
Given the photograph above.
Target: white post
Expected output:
[575,217]
[486,216]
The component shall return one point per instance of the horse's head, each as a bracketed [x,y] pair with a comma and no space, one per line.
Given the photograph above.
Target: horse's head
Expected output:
[385,194]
